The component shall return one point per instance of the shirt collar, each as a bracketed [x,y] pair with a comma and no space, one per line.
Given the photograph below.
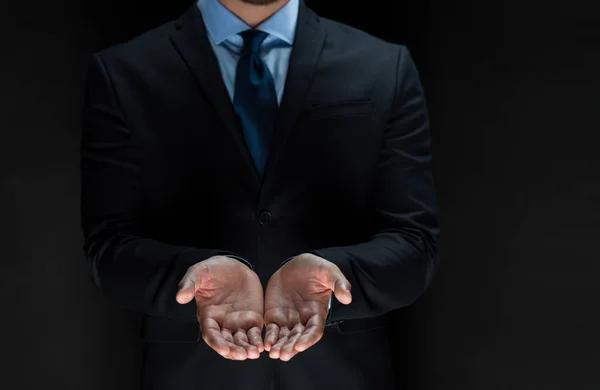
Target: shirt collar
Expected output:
[221,23]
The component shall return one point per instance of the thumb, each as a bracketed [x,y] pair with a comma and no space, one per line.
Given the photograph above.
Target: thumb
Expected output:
[341,290]
[187,291]
[337,282]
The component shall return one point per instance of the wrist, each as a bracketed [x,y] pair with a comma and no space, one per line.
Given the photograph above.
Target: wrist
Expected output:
[239,260]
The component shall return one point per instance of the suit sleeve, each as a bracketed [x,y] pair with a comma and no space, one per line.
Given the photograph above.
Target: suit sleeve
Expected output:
[395,265]
[135,272]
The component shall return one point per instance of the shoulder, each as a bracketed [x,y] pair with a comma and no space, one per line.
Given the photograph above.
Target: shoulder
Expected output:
[140,49]
[351,38]
[373,63]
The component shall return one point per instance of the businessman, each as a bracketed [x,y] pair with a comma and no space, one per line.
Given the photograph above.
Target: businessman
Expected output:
[256,180]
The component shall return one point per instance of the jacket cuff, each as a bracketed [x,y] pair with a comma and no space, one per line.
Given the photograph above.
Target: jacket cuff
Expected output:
[241,259]
[285,261]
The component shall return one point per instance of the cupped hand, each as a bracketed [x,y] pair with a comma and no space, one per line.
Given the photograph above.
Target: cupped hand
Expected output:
[229,302]
[296,302]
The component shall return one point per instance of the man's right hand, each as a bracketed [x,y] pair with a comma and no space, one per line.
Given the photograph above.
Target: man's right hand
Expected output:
[229,302]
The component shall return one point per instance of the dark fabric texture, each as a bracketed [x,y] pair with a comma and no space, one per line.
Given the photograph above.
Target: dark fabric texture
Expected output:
[168,181]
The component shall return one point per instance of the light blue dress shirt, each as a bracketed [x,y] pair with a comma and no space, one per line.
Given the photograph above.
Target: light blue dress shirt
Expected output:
[223,27]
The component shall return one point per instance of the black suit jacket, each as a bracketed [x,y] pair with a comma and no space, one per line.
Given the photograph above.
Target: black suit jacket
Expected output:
[167,182]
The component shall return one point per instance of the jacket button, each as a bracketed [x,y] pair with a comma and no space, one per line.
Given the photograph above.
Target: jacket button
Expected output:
[265,217]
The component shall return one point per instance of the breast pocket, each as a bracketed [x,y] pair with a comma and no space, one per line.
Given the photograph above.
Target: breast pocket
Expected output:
[327,122]
[336,110]
[337,144]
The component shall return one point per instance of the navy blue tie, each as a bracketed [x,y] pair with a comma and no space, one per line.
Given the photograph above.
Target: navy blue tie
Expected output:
[255,99]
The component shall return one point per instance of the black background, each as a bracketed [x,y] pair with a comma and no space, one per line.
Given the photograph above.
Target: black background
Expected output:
[513,94]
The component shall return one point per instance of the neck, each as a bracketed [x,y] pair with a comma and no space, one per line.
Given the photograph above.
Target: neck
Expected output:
[251,14]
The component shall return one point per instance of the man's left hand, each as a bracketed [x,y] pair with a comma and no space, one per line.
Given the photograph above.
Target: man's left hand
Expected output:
[296,300]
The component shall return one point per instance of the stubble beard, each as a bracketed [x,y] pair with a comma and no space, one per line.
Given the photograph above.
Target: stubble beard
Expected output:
[260,2]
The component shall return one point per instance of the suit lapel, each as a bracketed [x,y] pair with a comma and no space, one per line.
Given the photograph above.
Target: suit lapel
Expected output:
[309,39]
[191,41]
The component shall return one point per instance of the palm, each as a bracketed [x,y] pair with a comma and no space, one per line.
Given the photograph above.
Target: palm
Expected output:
[229,301]
[296,302]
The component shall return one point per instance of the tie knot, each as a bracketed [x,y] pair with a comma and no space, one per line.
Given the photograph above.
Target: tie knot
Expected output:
[253,39]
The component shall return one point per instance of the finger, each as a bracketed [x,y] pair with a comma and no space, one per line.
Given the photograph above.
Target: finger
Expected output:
[215,340]
[187,290]
[221,341]
[240,338]
[271,336]
[211,334]
[310,337]
[288,358]
[227,335]
[284,332]
[255,338]
[341,290]
[236,352]
[313,332]
[287,351]
[337,282]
